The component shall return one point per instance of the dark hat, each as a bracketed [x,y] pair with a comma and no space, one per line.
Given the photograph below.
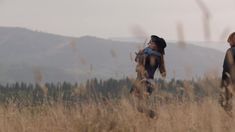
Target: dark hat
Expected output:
[159,42]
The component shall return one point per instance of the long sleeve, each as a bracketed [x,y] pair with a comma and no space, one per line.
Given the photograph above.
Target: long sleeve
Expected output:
[227,67]
[162,67]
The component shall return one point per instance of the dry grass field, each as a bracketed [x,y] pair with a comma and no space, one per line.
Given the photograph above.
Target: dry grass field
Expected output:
[118,115]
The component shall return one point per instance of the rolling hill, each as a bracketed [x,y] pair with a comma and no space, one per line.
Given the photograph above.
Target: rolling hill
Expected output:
[62,58]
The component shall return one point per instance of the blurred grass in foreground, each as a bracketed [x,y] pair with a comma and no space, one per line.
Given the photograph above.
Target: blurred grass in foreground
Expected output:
[182,111]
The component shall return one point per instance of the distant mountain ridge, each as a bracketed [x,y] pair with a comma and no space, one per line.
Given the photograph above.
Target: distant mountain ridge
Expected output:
[62,58]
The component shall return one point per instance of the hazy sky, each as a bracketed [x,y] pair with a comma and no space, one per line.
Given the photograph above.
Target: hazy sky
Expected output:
[118,18]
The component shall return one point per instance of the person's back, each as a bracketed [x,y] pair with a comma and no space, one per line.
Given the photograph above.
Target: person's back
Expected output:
[152,62]
[149,60]
[154,57]
[228,75]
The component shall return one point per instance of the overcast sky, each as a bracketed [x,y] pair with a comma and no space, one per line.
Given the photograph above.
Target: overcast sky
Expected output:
[119,18]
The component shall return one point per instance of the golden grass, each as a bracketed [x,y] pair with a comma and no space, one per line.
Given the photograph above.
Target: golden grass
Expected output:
[118,116]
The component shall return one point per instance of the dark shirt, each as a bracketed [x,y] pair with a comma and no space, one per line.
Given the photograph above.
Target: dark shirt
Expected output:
[228,66]
[148,66]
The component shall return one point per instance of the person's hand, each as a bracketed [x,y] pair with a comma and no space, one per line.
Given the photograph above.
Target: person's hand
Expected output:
[163,74]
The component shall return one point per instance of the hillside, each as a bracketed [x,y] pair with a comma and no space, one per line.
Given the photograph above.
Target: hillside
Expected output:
[62,58]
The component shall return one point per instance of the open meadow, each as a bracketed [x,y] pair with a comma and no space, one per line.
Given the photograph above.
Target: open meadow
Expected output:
[85,111]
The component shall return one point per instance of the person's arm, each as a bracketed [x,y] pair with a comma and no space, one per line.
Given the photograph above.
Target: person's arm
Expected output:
[226,68]
[138,54]
[162,67]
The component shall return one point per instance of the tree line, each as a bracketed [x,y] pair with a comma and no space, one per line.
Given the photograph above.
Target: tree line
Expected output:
[37,94]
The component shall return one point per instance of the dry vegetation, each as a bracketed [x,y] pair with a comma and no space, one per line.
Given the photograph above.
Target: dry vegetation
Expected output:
[176,115]
[123,114]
